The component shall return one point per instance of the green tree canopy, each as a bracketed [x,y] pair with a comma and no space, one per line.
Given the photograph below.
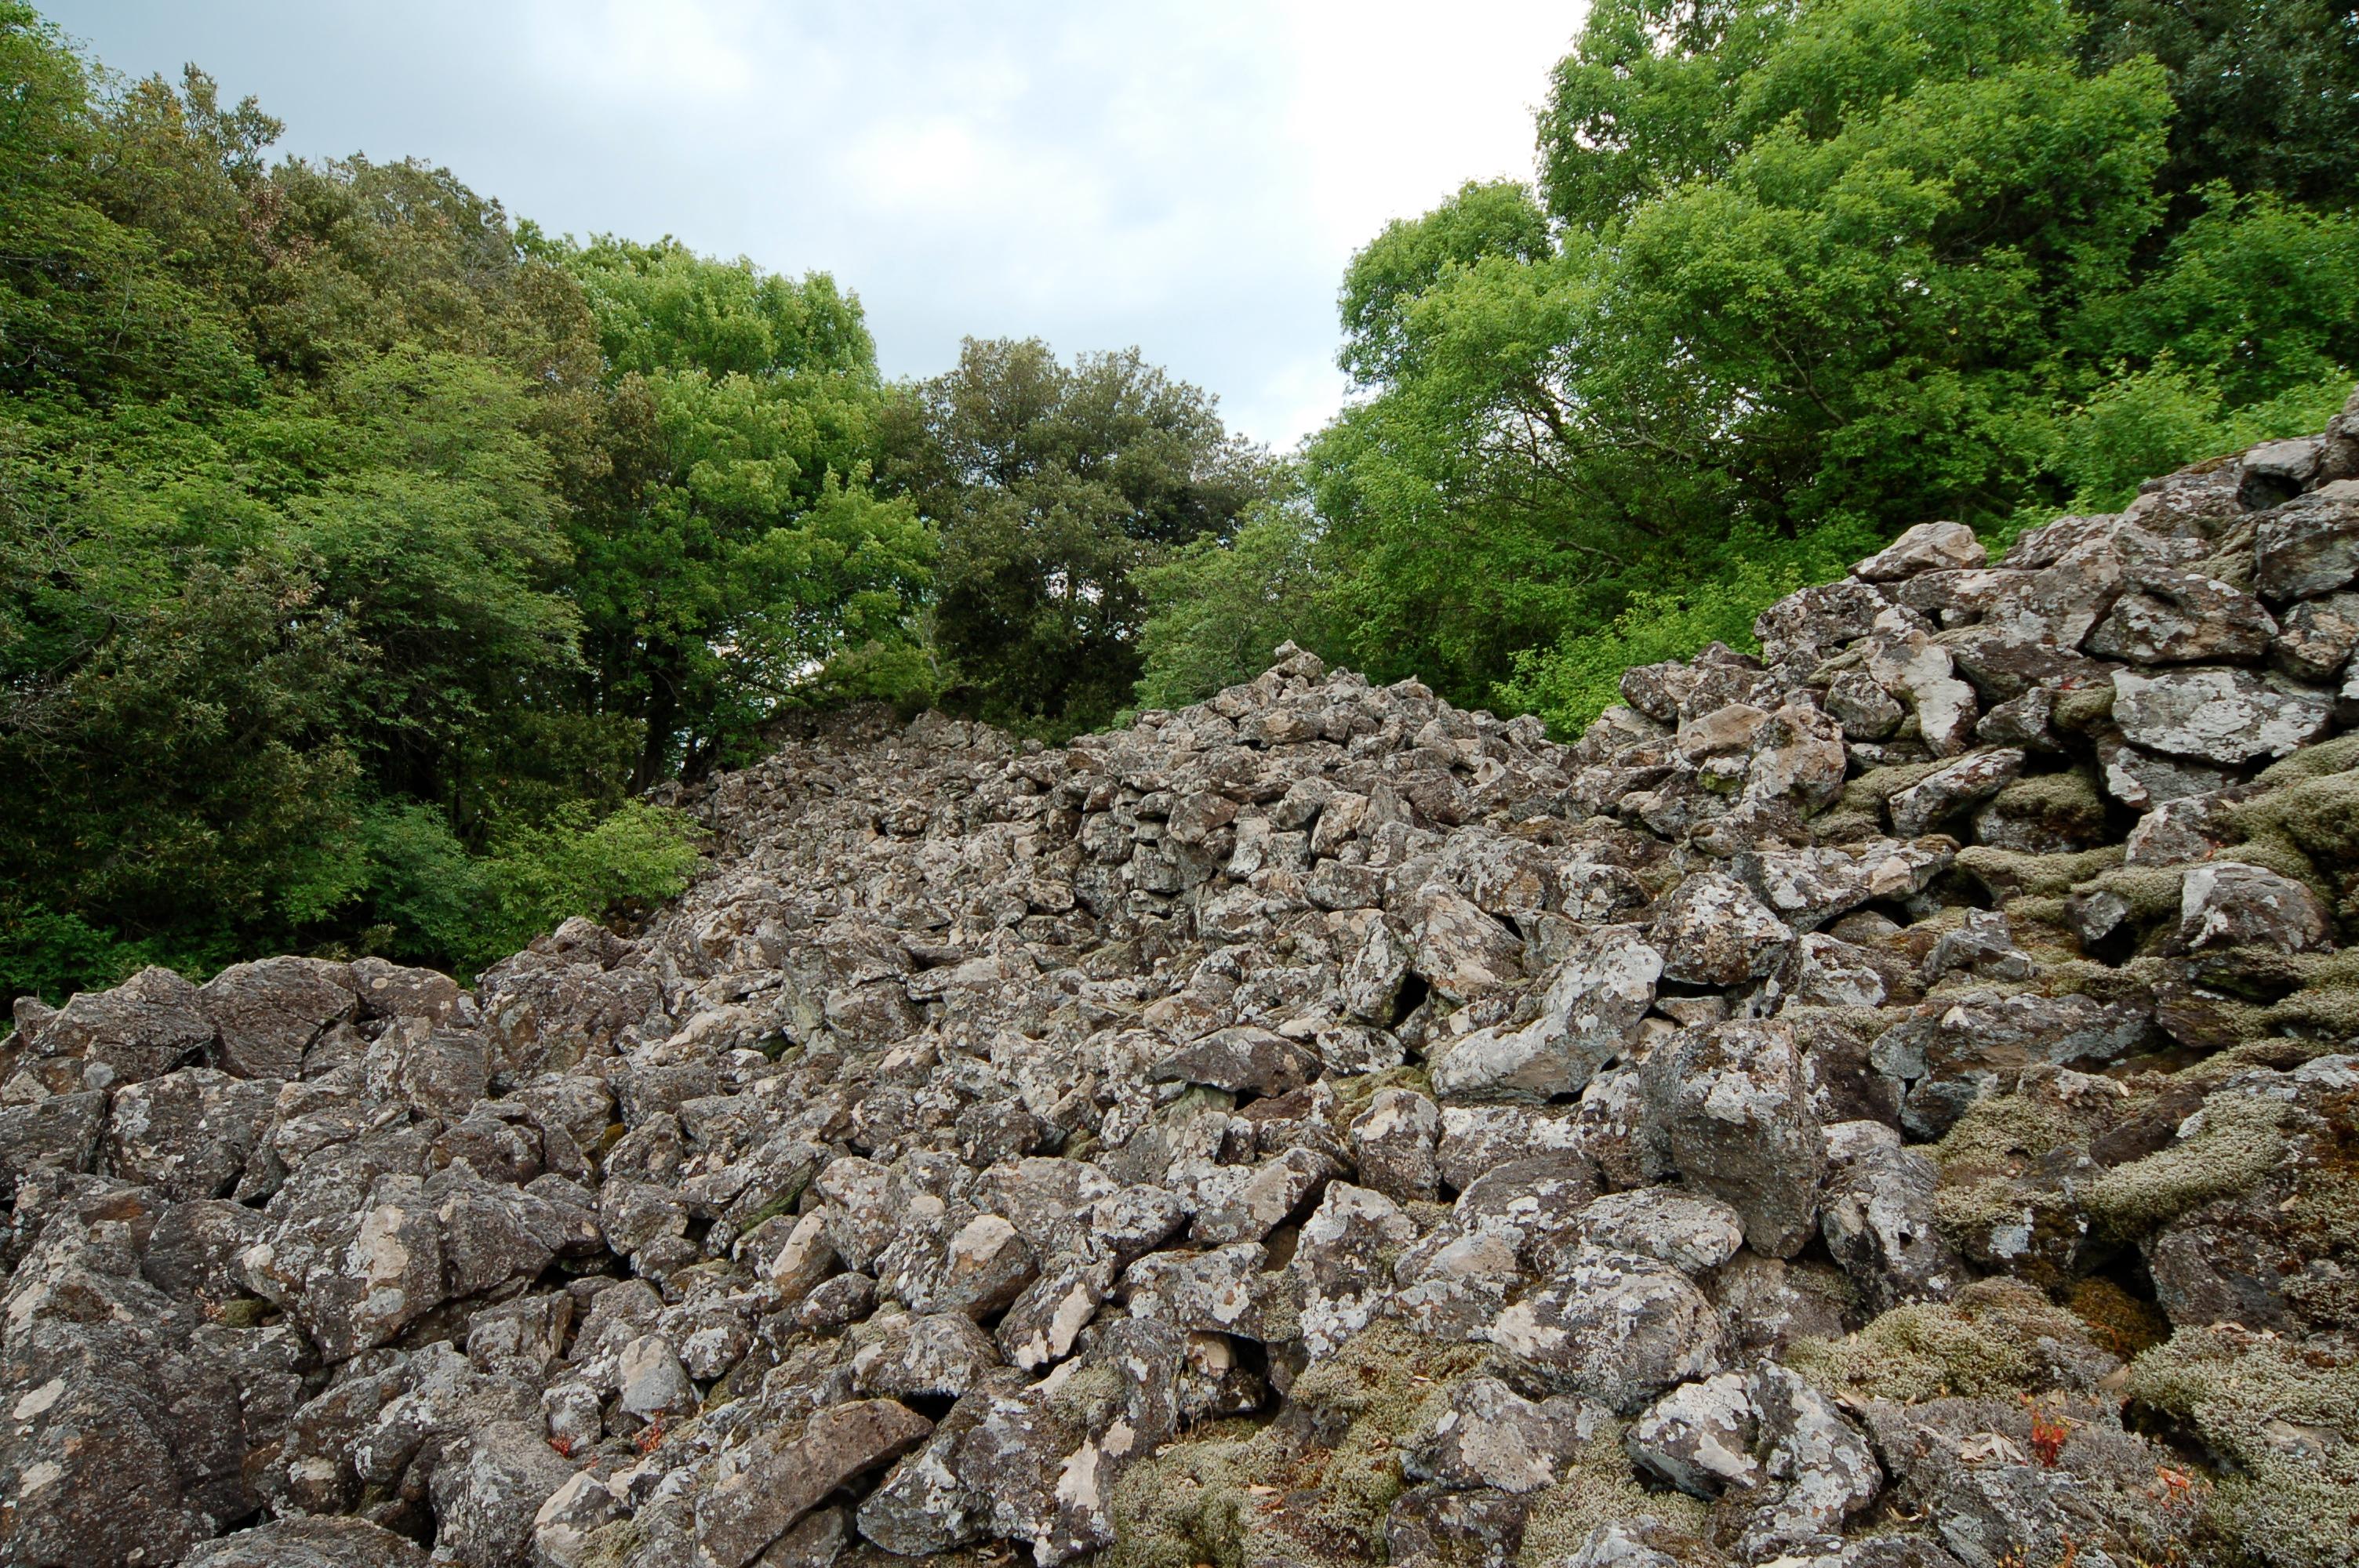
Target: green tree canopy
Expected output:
[1054,485]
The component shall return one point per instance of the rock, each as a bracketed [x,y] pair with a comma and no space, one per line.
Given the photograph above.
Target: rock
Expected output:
[267,1013]
[2309,545]
[2315,642]
[2224,717]
[328,1543]
[2171,617]
[1953,1051]
[1946,791]
[1490,1436]
[1611,1327]
[1712,931]
[1241,1060]
[142,1028]
[774,1480]
[1393,1145]
[1876,1213]
[1694,1235]
[1343,1260]
[1733,1101]
[1594,999]
[1462,952]
[488,1489]
[1699,1436]
[2224,904]
[1928,547]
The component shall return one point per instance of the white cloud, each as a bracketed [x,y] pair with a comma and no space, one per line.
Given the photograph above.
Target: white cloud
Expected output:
[1190,177]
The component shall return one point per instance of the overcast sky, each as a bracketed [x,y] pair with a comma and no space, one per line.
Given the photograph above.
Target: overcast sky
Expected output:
[1190,178]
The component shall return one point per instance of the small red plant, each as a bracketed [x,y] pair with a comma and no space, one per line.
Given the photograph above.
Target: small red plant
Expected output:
[650,1436]
[2048,1435]
[564,1447]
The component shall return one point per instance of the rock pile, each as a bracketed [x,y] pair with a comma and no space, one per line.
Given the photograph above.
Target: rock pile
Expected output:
[1881,1103]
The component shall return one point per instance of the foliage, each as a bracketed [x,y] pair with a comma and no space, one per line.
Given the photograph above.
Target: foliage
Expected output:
[733,545]
[1216,610]
[1799,268]
[342,526]
[1571,682]
[1054,485]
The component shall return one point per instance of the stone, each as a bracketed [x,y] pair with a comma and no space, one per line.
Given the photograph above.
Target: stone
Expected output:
[1952,789]
[1733,1104]
[1488,1435]
[2223,717]
[1393,1145]
[328,1543]
[2171,617]
[1712,931]
[775,1480]
[2224,904]
[1343,1260]
[1611,1327]
[1242,1059]
[144,1028]
[1699,1436]
[1593,1001]
[1463,952]
[1693,1234]
[1876,1212]
[2316,639]
[1928,547]
[268,1013]
[2309,545]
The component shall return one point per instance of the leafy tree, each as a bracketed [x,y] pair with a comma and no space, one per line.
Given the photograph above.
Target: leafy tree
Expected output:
[2267,90]
[1215,610]
[1805,269]
[1053,486]
[733,547]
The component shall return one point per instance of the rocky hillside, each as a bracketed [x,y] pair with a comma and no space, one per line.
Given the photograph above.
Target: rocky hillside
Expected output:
[1884,1103]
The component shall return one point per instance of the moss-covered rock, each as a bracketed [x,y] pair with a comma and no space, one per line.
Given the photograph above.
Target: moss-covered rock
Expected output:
[1996,1339]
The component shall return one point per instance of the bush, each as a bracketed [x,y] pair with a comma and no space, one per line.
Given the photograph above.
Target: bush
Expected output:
[1569,685]
[1215,611]
[433,902]
[2169,415]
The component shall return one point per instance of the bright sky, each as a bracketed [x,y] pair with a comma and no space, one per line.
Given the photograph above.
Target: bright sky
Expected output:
[1188,178]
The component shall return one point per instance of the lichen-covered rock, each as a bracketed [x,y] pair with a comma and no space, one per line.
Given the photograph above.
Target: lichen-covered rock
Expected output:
[1712,931]
[1612,1328]
[2224,716]
[1733,1104]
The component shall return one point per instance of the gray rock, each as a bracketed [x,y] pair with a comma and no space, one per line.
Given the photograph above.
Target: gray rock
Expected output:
[1946,791]
[780,1476]
[1928,547]
[1876,1213]
[1593,1001]
[2224,904]
[2223,717]
[1712,930]
[1733,1104]
[1488,1435]
[1611,1327]
[2309,545]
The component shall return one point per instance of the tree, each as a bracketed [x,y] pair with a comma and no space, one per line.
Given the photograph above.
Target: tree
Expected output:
[733,546]
[1805,269]
[1054,485]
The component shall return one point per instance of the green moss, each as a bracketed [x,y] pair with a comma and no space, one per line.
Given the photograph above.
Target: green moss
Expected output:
[2245,1395]
[1599,1488]
[2337,756]
[2151,892]
[1985,1343]
[2066,800]
[1185,1506]
[2237,1143]
[2083,708]
[2010,873]
[1189,1503]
